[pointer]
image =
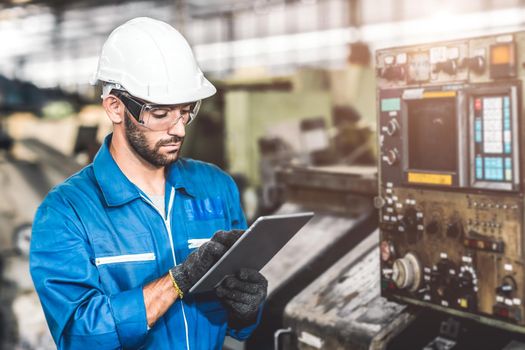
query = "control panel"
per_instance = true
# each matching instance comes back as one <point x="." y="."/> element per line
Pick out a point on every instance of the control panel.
<point x="450" y="177"/>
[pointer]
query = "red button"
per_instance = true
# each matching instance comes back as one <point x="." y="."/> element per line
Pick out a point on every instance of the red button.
<point x="503" y="313"/>
<point x="477" y="104"/>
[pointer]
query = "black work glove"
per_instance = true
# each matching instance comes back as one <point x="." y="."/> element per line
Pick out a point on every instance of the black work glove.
<point x="202" y="259"/>
<point x="242" y="294"/>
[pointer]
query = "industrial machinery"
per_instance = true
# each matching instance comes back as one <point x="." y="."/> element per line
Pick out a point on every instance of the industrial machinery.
<point x="451" y="179"/>
<point x="342" y="199"/>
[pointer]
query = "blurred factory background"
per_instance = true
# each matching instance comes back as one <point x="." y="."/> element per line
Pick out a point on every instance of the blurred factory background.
<point x="294" y="121"/>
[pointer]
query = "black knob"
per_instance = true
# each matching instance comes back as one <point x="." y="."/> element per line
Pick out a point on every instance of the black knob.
<point x="444" y="283"/>
<point x="391" y="157"/>
<point x="393" y="72"/>
<point x="433" y="227"/>
<point x="409" y="220"/>
<point x="477" y="64"/>
<point x="444" y="266"/>
<point x="466" y="280"/>
<point x="449" y="66"/>
<point x="410" y="224"/>
<point x="392" y="127"/>
<point x="507" y="287"/>
<point x="455" y="229"/>
<point x="401" y="73"/>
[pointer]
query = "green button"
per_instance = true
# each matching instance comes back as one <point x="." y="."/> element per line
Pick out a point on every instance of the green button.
<point x="390" y="104"/>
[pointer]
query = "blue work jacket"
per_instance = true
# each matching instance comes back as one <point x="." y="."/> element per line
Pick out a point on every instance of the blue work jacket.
<point x="98" y="239"/>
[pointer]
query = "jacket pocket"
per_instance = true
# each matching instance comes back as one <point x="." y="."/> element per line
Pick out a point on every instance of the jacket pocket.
<point x="126" y="261"/>
<point x="202" y="209"/>
<point x="205" y="216"/>
<point x="200" y="231"/>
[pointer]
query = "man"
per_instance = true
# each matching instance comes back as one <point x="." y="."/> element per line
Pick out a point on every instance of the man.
<point x="116" y="247"/>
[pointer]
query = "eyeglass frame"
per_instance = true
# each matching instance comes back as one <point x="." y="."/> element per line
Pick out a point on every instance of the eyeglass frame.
<point x="140" y="106"/>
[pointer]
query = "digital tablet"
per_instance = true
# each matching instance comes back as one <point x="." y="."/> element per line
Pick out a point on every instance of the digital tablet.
<point x="257" y="245"/>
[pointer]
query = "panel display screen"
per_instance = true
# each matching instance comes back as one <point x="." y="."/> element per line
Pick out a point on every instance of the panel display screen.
<point x="432" y="139"/>
<point x="492" y="138"/>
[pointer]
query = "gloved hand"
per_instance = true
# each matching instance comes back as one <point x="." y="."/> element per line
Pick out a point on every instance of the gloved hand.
<point x="242" y="295"/>
<point x="202" y="259"/>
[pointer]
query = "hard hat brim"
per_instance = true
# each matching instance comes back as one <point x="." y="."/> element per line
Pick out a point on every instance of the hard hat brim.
<point x="165" y="95"/>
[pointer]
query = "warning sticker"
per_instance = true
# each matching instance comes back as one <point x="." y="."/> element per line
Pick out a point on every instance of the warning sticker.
<point x="431" y="179"/>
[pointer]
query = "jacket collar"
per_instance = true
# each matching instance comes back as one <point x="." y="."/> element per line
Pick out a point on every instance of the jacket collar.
<point x="117" y="189"/>
<point x="179" y="177"/>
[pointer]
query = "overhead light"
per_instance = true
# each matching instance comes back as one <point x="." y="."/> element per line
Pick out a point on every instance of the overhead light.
<point x="20" y="2"/>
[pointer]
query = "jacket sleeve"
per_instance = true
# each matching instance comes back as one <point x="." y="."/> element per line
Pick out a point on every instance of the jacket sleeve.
<point x="238" y="221"/>
<point x="79" y="314"/>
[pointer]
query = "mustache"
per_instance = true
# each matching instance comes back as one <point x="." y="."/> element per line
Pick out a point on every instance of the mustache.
<point x="174" y="139"/>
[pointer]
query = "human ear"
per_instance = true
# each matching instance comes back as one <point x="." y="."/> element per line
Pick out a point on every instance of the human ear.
<point x="114" y="109"/>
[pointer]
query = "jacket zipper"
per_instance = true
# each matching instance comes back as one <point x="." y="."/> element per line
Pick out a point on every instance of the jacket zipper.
<point x="124" y="258"/>
<point x="167" y="225"/>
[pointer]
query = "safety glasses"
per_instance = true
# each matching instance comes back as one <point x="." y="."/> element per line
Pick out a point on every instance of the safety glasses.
<point x="158" y="117"/>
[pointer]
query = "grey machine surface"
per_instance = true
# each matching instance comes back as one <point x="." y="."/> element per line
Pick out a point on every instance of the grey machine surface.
<point x="343" y="308"/>
<point x="258" y="244"/>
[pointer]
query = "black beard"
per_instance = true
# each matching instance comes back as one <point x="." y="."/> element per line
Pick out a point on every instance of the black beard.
<point x="138" y="142"/>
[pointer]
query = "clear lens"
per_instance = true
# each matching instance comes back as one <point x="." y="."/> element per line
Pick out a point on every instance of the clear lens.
<point x="159" y="117"/>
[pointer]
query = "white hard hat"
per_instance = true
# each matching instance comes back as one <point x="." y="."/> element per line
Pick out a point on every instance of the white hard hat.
<point x="151" y="60"/>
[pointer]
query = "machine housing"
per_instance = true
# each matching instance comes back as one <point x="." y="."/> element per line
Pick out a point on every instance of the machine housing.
<point x="451" y="177"/>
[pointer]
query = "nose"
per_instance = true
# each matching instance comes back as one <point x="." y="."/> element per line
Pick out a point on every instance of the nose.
<point x="177" y="129"/>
